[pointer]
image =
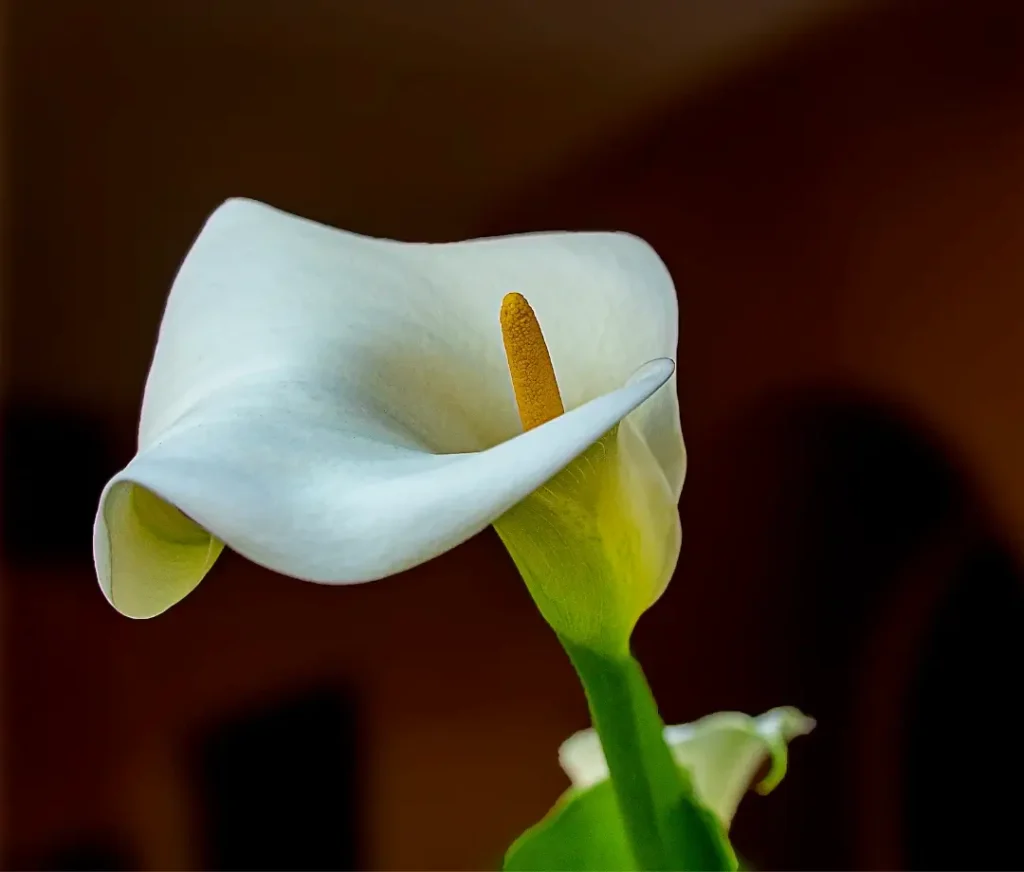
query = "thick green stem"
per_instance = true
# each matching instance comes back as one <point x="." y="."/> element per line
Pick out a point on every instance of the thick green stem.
<point x="667" y="828"/>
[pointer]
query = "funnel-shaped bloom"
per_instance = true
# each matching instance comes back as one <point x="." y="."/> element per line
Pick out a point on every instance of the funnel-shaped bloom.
<point x="723" y="753"/>
<point x="339" y="408"/>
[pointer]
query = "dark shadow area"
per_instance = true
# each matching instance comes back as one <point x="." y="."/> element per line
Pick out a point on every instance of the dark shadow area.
<point x="872" y="495"/>
<point x="963" y="773"/>
<point x="54" y="462"/>
<point x="86" y="855"/>
<point x="279" y="787"/>
<point x="847" y="505"/>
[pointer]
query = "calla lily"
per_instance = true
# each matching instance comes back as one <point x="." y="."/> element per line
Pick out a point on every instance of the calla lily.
<point x="723" y="754"/>
<point x="339" y="408"/>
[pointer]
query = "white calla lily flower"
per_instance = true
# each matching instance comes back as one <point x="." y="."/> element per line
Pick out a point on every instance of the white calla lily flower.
<point x="339" y="408"/>
<point x="723" y="754"/>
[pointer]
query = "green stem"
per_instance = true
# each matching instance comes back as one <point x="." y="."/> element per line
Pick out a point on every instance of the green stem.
<point x="667" y="828"/>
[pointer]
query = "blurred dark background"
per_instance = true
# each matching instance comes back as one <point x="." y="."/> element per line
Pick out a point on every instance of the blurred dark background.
<point x="838" y="189"/>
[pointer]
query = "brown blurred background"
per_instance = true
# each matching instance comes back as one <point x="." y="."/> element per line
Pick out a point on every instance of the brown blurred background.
<point x="838" y="189"/>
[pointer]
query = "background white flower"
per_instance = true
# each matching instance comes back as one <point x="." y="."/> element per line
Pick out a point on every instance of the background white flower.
<point x="723" y="753"/>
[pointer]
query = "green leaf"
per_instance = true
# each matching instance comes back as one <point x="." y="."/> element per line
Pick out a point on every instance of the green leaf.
<point x="582" y="832"/>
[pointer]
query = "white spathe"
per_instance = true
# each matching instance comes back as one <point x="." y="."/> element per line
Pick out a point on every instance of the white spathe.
<point x="338" y="408"/>
<point x="723" y="753"/>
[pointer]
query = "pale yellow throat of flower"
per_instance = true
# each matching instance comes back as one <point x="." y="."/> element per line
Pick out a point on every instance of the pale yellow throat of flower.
<point x="529" y="364"/>
<point x="592" y="544"/>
